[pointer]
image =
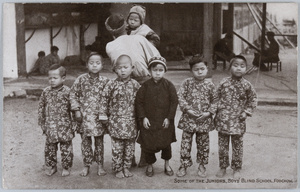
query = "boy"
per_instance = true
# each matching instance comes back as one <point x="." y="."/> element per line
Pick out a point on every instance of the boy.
<point x="237" y="100"/>
<point x="118" y="107"/>
<point x="55" y="121"/>
<point x="85" y="96"/>
<point x="37" y="66"/>
<point x="156" y="105"/>
<point x="137" y="26"/>
<point x="50" y="59"/>
<point x="197" y="100"/>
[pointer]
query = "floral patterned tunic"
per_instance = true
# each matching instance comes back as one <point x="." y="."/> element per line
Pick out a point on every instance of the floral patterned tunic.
<point x="54" y="115"/>
<point x="199" y="96"/>
<point x="85" y="96"/>
<point x="118" y="104"/>
<point x="235" y="97"/>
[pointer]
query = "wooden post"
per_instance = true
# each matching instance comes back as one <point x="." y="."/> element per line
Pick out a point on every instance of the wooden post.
<point x="51" y="36"/>
<point x="263" y="30"/>
<point x="217" y="22"/>
<point x="81" y="42"/>
<point x="230" y="22"/>
<point x="208" y="17"/>
<point x="20" y="28"/>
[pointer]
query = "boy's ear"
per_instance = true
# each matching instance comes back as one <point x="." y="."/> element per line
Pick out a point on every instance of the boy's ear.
<point x="63" y="77"/>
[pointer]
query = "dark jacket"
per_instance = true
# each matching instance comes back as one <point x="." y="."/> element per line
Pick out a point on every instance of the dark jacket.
<point x="156" y="101"/>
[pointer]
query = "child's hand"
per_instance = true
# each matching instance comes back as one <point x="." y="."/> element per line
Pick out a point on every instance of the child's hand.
<point x="243" y="116"/>
<point x="146" y="123"/>
<point x="78" y="116"/>
<point x="193" y="113"/>
<point x="203" y="116"/>
<point x="166" y="123"/>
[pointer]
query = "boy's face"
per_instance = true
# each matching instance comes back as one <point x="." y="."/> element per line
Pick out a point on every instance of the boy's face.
<point x="238" y="68"/>
<point x="124" y="68"/>
<point x="157" y="72"/>
<point x="94" y="64"/>
<point x="199" y="71"/>
<point x="134" y="21"/>
<point x="55" y="79"/>
<point x="54" y="53"/>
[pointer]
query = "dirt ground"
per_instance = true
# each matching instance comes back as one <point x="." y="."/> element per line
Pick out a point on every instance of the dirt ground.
<point x="270" y="156"/>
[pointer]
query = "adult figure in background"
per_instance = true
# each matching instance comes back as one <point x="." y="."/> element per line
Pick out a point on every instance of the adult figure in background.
<point x="222" y="51"/>
<point x="137" y="47"/>
<point x="268" y="55"/>
<point x="49" y="60"/>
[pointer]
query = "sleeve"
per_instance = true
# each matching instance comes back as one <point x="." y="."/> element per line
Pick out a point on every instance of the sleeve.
<point x="74" y="95"/>
<point x="104" y="101"/>
<point x="140" y="103"/>
<point x="251" y="101"/>
<point x="213" y="100"/>
<point x="182" y="94"/>
<point x="42" y="112"/>
<point x="148" y="49"/>
<point x="173" y="103"/>
<point x="153" y="38"/>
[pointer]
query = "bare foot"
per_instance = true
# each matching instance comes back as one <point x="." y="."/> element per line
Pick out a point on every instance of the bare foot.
<point x="65" y="172"/>
<point x="50" y="170"/>
<point x="127" y="173"/>
<point x="101" y="171"/>
<point x="120" y="175"/>
<point x="85" y="171"/>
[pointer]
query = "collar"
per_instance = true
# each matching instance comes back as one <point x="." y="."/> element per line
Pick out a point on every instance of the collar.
<point x="58" y="88"/>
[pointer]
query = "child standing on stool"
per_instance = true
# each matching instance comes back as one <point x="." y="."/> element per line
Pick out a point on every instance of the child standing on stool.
<point x="56" y="122"/>
<point x="85" y="100"/>
<point x="118" y="106"/>
<point x="156" y="105"/>
<point x="197" y="100"/>
<point x="237" y="99"/>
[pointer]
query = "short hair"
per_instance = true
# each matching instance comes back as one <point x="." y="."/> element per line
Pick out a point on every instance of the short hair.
<point x="121" y="56"/>
<point x="237" y="57"/>
<point x="41" y="54"/>
<point x="93" y="54"/>
<point x="54" y="48"/>
<point x="198" y="58"/>
<point x="62" y="70"/>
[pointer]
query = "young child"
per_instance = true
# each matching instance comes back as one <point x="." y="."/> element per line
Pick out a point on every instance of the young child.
<point x="137" y="26"/>
<point x="156" y="104"/>
<point x="197" y="101"/>
<point x="85" y="96"/>
<point x="118" y="105"/>
<point x="56" y="122"/>
<point x="237" y="99"/>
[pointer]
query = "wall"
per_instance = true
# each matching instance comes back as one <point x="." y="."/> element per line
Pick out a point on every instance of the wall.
<point x="10" y="65"/>
<point x="40" y="41"/>
<point x="67" y="41"/>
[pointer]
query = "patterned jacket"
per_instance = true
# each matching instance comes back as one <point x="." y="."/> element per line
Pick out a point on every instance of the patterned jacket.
<point x="235" y="97"/>
<point x="85" y="96"/>
<point x="199" y="96"/>
<point x="118" y="105"/>
<point x="54" y="115"/>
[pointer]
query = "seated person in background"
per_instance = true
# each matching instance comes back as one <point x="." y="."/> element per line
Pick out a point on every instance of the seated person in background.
<point x="268" y="55"/>
<point x="222" y="50"/>
<point x="36" y="68"/>
<point x="49" y="60"/>
<point x="136" y="25"/>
